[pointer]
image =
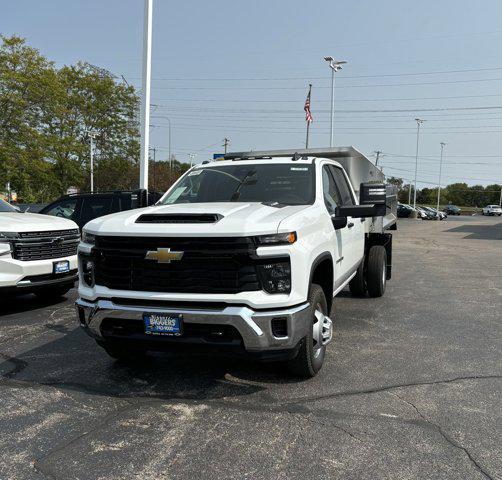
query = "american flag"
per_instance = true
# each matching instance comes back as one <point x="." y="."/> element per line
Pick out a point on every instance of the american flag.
<point x="308" y="114"/>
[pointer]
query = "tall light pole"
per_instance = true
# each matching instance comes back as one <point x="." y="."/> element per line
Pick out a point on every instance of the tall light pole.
<point x="92" y="135"/>
<point x="192" y="156"/>
<point x="335" y="67"/>
<point x="145" y="94"/>
<point x="419" y="122"/>
<point x="439" y="180"/>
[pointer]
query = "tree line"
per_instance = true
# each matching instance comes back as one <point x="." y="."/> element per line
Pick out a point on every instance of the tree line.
<point x="47" y="115"/>
<point x="455" y="193"/>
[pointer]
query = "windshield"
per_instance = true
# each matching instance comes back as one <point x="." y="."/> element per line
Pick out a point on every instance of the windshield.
<point x="6" y="207"/>
<point x="287" y="184"/>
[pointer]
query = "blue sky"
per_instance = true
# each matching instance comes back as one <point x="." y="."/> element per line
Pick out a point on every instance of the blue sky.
<point x="241" y="70"/>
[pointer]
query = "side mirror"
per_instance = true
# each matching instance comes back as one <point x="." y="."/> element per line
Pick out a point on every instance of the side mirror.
<point x="374" y="194"/>
<point x="357" y="211"/>
<point x="338" y="222"/>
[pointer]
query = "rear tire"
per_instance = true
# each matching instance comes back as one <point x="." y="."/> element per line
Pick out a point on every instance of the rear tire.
<point x="376" y="271"/>
<point x="310" y="357"/>
<point x="357" y="285"/>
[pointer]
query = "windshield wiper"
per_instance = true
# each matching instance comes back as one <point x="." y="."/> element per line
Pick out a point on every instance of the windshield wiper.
<point x="245" y="181"/>
<point x="274" y="204"/>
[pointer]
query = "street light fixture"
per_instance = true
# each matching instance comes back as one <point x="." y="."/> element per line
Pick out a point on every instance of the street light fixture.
<point x="335" y="65"/>
<point x="419" y="122"/>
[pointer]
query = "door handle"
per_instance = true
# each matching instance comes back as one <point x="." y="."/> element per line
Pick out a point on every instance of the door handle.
<point x="350" y="225"/>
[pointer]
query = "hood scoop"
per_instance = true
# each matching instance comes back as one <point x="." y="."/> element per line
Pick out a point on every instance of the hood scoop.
<point x="179" y="218"/>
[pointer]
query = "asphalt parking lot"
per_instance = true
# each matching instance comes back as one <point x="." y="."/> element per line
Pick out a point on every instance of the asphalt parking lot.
<point x="411" y="387"/>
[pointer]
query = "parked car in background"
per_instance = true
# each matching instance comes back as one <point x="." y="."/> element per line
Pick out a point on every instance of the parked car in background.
<point x="84" y="207"/>
<point x="404" y="211"/>
<point x="452" y="210"/>
<point x="407" y="210"/>
<point x="435" y="213"/>
<point x="38" y="254"/>
<point x="492" y="210"/>
<point x="425" y="214"/>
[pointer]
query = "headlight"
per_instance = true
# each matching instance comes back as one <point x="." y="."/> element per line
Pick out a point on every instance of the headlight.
<point x="276" y="276"/>
<point x="8" y="236"/>
<point x="277" y="239"/>
<point x="89" y="238"/>
<point x="87" y="269"/>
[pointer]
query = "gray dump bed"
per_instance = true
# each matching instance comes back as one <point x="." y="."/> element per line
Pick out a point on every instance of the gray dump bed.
<point x="358" y="167"/>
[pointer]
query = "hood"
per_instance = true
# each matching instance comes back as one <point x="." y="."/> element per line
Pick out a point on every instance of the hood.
<point x="33" y="222"/>
<point x="236" y="219"/>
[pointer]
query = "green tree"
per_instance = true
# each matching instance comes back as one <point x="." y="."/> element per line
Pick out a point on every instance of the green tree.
<point x="46" y="115"/>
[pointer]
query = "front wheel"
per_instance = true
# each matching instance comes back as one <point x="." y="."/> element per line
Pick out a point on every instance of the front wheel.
<point x="310" y="357"/>
<point x="376" y="271"/>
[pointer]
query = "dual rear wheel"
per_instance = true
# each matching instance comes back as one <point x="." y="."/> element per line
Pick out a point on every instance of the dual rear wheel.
<point x="371" y="276"/>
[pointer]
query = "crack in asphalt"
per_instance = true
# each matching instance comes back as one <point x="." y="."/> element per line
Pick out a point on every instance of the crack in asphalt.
<point x="386" y="388"/>
<point x="449" y="439"/>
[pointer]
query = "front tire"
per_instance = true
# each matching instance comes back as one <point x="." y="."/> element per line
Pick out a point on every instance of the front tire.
<point x="376" y="271"/>
<point x="310" y="357"/>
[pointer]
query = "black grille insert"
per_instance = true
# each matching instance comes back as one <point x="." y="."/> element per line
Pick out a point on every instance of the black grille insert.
<point x="208" y="265"/>
<point x="210" y="333"/>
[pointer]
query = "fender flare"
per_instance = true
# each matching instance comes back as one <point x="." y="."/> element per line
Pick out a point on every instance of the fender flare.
<point x="317" y="261"/>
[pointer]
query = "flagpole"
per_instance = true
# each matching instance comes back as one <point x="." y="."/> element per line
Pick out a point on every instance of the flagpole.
<point x="308" y="122"/>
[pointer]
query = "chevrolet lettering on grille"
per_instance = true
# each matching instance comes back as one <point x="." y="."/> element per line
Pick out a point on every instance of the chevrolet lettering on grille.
<point x="163" y="255"/>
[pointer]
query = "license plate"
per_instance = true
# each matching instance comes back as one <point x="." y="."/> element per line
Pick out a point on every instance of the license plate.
<point x="163" y="324"/>
<point x="61" y="267"/>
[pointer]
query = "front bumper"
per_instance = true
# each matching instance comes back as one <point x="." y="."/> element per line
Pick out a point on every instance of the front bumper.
<point x="18" y="274"/>
<point x="254" y="327"/>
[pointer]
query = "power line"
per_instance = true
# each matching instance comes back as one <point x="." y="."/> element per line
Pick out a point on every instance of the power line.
<point x="351" y="100"/>
<point x="444" y="82"/>
<point x="274" y="79"/>
<point x="399" y="110"/>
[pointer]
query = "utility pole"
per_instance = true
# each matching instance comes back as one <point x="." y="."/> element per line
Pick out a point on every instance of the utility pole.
<point x="409" y="193"/>
<point x="335" y="67"/>
<point x="145" y="94"/>
<point x="378" y="152"/>
<point x="500" y="200"/>
<point x="154" y="166"/>
<point x="226" y="142"/>
<point x="419" y="122"/>
<point x="439" y="180"/>
<point x="92" y="135"/>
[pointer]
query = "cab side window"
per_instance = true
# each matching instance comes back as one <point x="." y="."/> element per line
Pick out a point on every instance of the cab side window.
<point x="63" y="209"/>
<point x="343" y="186"/>
<point x="330" y="191"/>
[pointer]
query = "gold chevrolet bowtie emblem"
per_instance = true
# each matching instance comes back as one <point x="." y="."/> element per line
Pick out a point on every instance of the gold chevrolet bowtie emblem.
<point x="163" y="255"/>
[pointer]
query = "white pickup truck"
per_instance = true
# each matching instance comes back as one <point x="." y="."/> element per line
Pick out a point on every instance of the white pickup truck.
<point x="243" y="254"/>
<point x="38" y="253"/>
